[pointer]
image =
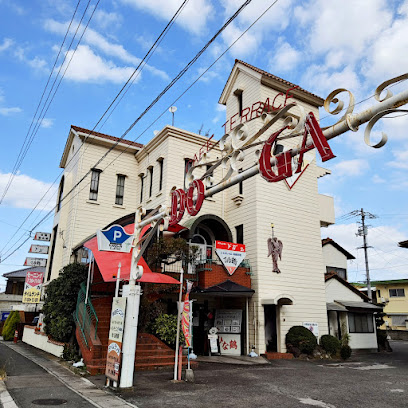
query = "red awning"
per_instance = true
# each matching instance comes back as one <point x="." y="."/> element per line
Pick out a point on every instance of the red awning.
<point x="108" y="264"/>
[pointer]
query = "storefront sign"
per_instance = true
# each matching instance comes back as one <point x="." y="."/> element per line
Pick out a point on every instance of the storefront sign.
<point x="32" y="287"/>
<point x="42" y="236"/>
<point x="313" y="327"/>
<point x="230" y="254"/>
<point x="114" y="239"/>
<point x="113" y="357"/>
<point x="35" y="262"/>
<point x="39" y="249"/>
<point x="228" y="323"/>
<point x="185" y="316"/>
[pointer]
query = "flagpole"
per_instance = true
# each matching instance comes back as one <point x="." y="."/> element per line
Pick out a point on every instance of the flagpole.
<point x="178" y="325"/>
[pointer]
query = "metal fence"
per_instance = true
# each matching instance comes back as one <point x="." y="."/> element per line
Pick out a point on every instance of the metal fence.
<point x="85" y="317"/>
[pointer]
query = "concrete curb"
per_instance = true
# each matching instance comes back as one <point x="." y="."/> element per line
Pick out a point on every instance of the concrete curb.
<point x="81" y="386"/>
<point x="6" y="399"/>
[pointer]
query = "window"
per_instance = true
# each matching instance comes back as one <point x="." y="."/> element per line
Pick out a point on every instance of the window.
<point x="399" y="320"/>
<point x="241" y="184"/>
<point x="341" y="272"/>
<point x="150" y="169"/>
<point x="120" y="189"/>
<point x="93" y="192"/>
<point x="378" y="294"/>
<point x="360" y="322"/>
<point x="239" y="231"/>
<point x="60" y="193"/>
<point x="188" y="163"/>
<point x="238" y="93"/>
<point x="397" y="293"/>
<point x="160" y="173"/>
<point x="209" y="182"/>
<point x="141" y="186"/>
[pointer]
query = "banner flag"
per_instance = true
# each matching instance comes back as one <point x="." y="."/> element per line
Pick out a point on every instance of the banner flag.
<point x="185" y="319"/>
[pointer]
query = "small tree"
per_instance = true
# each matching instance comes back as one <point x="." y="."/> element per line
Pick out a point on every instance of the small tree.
<point x="10" y="325"/>
<point x="60" y="302"/>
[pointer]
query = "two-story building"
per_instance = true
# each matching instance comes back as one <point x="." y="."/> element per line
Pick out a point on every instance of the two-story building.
<point x="134" y="175"/>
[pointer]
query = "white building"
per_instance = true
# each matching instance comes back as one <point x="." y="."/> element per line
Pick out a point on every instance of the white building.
<point x="134" y="175"/>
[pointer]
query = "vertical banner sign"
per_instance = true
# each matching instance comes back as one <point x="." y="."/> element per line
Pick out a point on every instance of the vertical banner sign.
<point x="231" y="255"/>
<point x="32" y="287"/>
<point x="117" y="322"/>
<point x="185" y="317"/>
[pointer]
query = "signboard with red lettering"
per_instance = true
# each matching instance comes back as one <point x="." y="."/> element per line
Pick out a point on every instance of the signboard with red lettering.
<point x="35" y="262"/>
<point x="230" y="254"/>
<point x="32" y="287"/>
<point x="39" y="249"/>
<point x="228" y="323"/>
<point x="113" y="358"/>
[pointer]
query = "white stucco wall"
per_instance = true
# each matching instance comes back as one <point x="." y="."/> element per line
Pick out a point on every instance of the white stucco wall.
<point x="333" y="257"/>
<point x="41" y="342"/>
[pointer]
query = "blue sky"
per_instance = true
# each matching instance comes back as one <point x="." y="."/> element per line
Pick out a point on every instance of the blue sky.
<point x="320" y="45"/>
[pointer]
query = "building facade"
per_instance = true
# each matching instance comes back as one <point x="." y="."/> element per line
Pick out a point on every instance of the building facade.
<point x="135" y="176"/>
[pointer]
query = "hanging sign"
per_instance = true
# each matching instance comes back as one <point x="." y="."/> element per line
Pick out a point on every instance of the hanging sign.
<point x="42" y="236"/>
<point x="39" y="249"/>
<point x="32" y="287"/>
<point x="114" y="239"/>
<point x="230" y="254"/>
<point x="35" y="262"/>
<point x="113" y="358"/>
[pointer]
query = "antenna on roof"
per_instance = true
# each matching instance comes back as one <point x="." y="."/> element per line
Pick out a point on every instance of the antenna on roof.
<point x="172" y="109"/>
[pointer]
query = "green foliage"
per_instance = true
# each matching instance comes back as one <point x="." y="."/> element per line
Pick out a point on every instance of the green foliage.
<point x="60" y="302"/>
<point x="330" y="344"/>
<point x="165" y="328"/>
<point x="345" y="352"/>
<point x="301" y="338"/>
<point x="10" y="325"/>
<point x="151" y="306"/>
<point x="71" y="352"/>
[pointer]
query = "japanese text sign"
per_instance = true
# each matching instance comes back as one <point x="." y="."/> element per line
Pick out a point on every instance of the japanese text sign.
<point x="32" y="287"/>
<point x="230" y="254"/>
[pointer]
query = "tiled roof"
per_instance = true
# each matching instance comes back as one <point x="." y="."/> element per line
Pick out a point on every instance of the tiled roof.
<point x="332" y="275"/>
<point x="326" y="241"/>
<point x="276" y="78"/>
<point x="104" y="136"/>
<point x="21" y="273"/>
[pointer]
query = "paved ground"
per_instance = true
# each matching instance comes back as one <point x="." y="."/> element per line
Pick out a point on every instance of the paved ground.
<point x="376" y="380"/>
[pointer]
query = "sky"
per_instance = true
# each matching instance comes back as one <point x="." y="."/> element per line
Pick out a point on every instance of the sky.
<point x="317" y="44"/>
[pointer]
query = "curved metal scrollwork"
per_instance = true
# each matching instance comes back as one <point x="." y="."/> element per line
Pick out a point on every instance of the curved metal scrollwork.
<point x="332" y="98"/>
<point x="384" y="85"/>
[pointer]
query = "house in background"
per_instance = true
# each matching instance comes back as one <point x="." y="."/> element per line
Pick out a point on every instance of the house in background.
<point x="348" y="310"/>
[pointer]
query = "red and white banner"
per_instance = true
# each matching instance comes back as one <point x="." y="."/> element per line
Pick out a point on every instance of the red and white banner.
<point x="231" y="254"/>
<point x="185" y="317"/>
<point x="32" y="287"/>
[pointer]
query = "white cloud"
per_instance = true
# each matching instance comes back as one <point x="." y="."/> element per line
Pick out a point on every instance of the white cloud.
<point x="209" y="76"/>
<point x="400" y="159"/>
<point x="7" y="43"/>
<point x="377" y="179"/>
<point x="194" y="17"/>
<point x="220" y="108"/>
<point x="94" y="39"/>
<point x="37" y="63"/>
<point x="285" y="58"/>
<point x="106" y="20"/>
<point x="247" y="44"/>
<point x="9" y="111"/>
<point x="47" y="123"/>
<point x="86" y="66"/>
<point x="350" y="168"/>
<point x="26" y="191"/>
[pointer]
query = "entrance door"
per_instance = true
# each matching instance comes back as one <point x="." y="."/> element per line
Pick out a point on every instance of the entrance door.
<point x="271" y="332"/>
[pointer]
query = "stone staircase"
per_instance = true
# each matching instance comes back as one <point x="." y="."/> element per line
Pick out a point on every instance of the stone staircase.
<point x="151" y="353"/>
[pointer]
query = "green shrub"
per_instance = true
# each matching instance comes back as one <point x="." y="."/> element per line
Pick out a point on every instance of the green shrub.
<point x="345" y="352"/>
<point x="165" y="328"/>
<point x="10" y="325"/>
<point x="71" y="352"/>
<point x="330" y="344"/>
<point x="60" y="302"/>
<point x="301" y="338"/>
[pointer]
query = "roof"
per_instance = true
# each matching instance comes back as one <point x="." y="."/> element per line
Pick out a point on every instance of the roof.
<point x="105" y="136"/>
<point x="383" y="282"/>
<point x="278" y="79"/>
<point x="403" y="244"/>
<point x="21" y="273"/>
<point x="329" y="276"/>
<point x="326" y="241"/>
<point x="227" y="288"/>
<point x="349" y="304"/>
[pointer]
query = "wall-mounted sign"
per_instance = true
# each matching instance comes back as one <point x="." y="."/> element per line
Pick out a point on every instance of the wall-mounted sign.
<point x="32" y="287"/>
<point x="114" y="239"/>
<point x="313" y="327"/>
<point x="42" y="236"/>
<point x="113" y="358"/>
<point x="35" y="262"/>
<point x="39" y="249"/>
<point x="230" y="254"/>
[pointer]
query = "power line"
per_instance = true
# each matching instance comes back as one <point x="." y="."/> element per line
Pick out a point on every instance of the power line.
<point x="16" y="164"/>
<point x="175" y="79"/>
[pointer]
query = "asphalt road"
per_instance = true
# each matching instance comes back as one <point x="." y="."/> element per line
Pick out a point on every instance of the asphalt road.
<point x="376" y="380"/>
<point x="27" y="382"/>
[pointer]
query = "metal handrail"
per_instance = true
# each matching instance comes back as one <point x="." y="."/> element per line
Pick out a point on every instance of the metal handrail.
<point x="85" y="316"/>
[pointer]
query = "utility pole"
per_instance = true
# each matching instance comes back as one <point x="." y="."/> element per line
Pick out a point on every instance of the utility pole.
<point x="362" y="231"/>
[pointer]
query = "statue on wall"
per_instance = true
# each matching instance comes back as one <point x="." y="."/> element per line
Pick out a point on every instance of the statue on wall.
<point x="275" y="247"/>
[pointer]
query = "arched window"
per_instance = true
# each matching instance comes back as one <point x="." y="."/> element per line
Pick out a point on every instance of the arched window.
<point x="60" y="193"/>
